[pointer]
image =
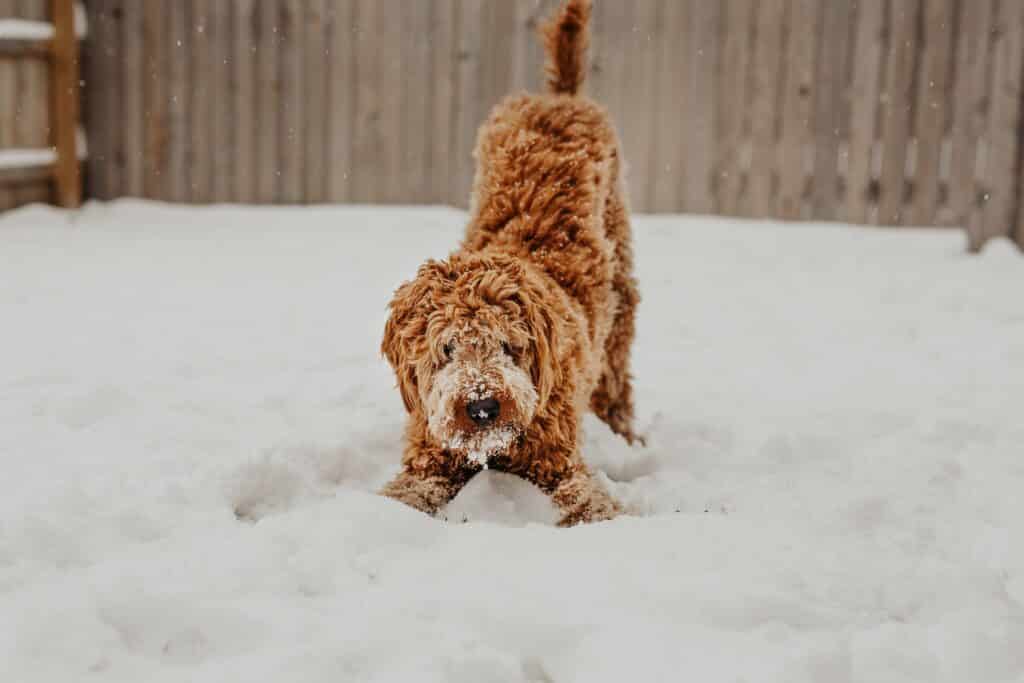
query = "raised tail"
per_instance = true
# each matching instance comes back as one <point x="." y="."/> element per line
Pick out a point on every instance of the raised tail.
<point x="566" y="37"/>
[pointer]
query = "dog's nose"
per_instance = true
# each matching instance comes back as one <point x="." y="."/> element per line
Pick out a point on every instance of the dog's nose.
<point x="483" y="412"/>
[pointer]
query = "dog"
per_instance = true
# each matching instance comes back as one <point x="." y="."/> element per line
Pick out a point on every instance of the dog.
<point x="500" y="349"/>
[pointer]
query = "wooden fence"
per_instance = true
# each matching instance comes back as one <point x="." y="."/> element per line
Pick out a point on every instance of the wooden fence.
<point x="902" y="112"/>
<point x="39" y="102"/>
<point x="24" y="115"/>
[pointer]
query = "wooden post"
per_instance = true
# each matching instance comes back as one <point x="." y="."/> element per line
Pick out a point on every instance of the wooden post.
<point x="869" y="48"/>
<point x="64" y="98"/>
<point x="1001" y="168"/>
<point x="896" y="119"/>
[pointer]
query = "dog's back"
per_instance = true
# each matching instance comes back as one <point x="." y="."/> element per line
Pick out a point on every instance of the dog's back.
<point x="547" y="184"/>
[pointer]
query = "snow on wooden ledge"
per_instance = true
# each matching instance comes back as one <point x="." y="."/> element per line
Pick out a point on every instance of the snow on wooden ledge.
<point x="27" y="158"/>
<point x="36" y="157"/>
<point x="24" y="29"/>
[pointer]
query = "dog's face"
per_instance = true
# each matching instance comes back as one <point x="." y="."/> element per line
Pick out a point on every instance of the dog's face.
<point x="473" y="350"/>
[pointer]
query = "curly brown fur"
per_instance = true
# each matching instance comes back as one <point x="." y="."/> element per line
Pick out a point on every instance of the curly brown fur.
<point x="566" y="39"/>
<point x="534" y="312"/>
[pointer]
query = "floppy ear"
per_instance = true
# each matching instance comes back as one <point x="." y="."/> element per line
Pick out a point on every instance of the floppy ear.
<point x="545" y="342"/>
<point x="399" y="333"/>
<point x="406" y="328"/>
<point x="394" y="350"/>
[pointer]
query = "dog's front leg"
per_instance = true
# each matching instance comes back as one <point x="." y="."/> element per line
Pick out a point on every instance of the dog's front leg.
<point x="582" y="499"/>
<point x="426" y="490"/>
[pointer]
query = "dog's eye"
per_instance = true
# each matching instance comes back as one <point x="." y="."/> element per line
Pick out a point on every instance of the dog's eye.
<point x="448" y="349"/>
<point x="510" y="352"/>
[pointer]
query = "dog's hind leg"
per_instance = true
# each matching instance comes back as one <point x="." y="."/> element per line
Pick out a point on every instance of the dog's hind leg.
<point x="612" y="400"/>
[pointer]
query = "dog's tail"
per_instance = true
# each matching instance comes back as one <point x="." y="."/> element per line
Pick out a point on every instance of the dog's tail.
<point x="566" y="37"/>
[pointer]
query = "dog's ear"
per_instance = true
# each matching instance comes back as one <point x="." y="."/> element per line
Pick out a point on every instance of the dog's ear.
<point x="546" y="369"/>
<point x="406" y="328"/>
<point x="395" y="351"/>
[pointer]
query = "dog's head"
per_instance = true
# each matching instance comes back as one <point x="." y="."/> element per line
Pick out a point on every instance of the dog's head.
<point x="473" y="344"/>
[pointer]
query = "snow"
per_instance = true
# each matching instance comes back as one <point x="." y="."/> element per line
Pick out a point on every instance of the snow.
<point x="195" y="417"/>
<point x="27" y="158"/>
<point x="34" y="157"/>
<point x="25" y="29"/>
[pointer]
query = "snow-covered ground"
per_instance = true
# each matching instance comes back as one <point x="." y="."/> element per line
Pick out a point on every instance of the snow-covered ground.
<point x="194" y="417"/>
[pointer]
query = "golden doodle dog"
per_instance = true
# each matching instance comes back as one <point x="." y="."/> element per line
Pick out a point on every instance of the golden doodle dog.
<point x="501" y="348"/>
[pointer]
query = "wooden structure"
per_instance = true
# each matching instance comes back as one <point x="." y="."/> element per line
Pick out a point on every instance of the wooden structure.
<point x="890" y="112"/>
<point x="39" y="104"/>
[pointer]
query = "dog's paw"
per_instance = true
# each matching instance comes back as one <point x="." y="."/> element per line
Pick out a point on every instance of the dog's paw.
<point x="597" y="509"/>
<point x="634" y="439"/>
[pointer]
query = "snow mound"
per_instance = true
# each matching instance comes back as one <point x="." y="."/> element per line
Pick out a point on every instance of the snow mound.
<point x="195" y="418"/>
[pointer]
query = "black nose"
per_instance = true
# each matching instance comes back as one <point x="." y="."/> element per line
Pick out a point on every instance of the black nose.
<point x="483" y="412"/>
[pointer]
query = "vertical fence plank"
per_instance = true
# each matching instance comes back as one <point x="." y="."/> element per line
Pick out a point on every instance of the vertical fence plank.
<point x="368" y="157"/>
<point x="613" y="28"/>
<point x="315" y="55"/>
<point x="523" y="21"/>
<point x="969" y="103"/>
<point x="8" y="107"/>
<point x="416" y="107"/>
<point x="760" y="195"/>
<point x="732" y="105"/>
<point x="1004" y="124"/>
<point x="702" y="84"/>
<point x="797" y="108"/>
<point x="99" y="104"/>
<point x="601" y="62"/>
<point x="366" y="145"/>
<point x="154" y="99"/>
<point x="669" y="104"/>
<point x="268" y="97"/>
<point x="245" y="98"/>
<point x="290" y="26"/>
<point x="932" y="93"/>
<point x="115" y="91"/>
<point x="392" y="72"/>
<point x="443" y="91"/>
<point x="639" y="60"/>
<point x="32" y="128"/>
<point x="222" y="120"/>
<point x="496" y="60"/>
<point x="341" y="89"/>
<point x="829" y="101"/>
<point x="178" y="46"/>
<point x="200" y="140"/>
<point x="869" y="47"/>
<point x="132" y="99"/>
<point x="897" y="110"/>
<point x="64" y="110"/>
<point x="467" y="109"/>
